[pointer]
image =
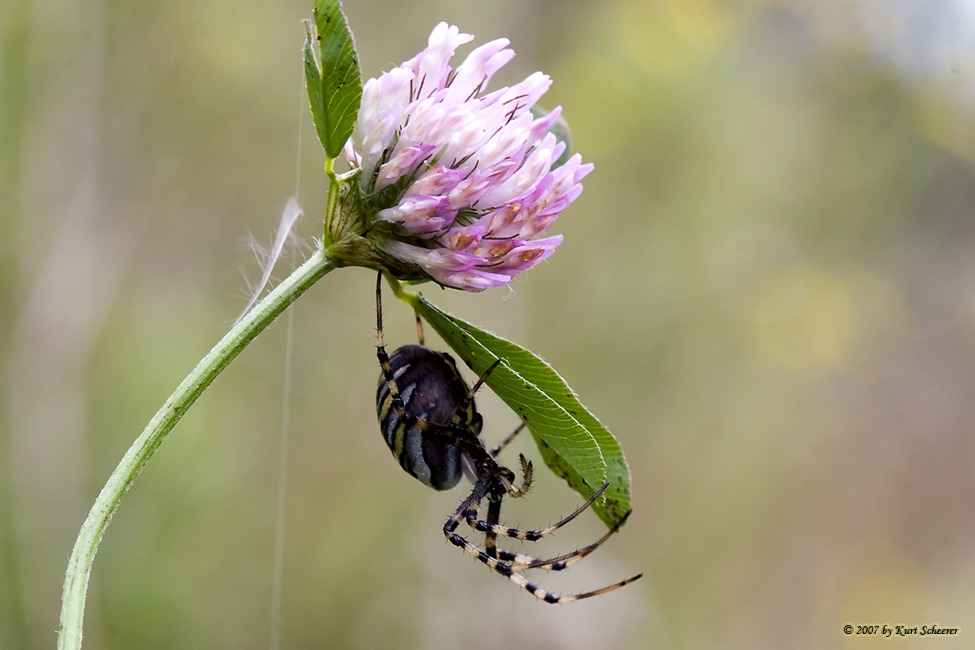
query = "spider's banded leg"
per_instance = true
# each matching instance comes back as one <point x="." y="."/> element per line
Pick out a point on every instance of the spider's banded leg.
<point x="468" y="510"/>
<point x="504" y="443"/>
<point x="394" y="395"/>
<point x="521" y="581"/>
<point x="464" y="403"/>
<point x="380" y="345"/>
<point x="494" y="513"/>
<point x="490" y="537"/>
<point x="504" y="569"/>
<point x="460" y="438"/>
<point x="529" y="535"/>
<point x="472" y="501"/>
<point x="523" y="562"/>
<point x="419" y="328"/>
<point x="549" y="597"/>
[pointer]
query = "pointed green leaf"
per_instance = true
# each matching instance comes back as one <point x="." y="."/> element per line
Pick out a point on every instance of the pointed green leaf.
<point x="332" y="76"/>
<point x="573" y="443"/>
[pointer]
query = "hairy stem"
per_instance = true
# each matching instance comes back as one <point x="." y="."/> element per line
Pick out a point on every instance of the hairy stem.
<point x="246" y="329"/>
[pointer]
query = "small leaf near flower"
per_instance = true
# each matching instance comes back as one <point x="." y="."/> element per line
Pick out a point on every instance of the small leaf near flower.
<point x="560" y="129"/>
<point x="573" y="443"/>
<point x="332" y="76"/>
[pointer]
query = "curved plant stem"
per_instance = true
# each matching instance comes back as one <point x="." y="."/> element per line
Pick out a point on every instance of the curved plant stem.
<point x="252" y="324"/>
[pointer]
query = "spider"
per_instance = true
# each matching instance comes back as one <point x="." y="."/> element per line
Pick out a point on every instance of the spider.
<point x="428" y="418"/>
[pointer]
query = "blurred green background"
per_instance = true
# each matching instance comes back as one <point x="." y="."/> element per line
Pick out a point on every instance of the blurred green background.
<point x="767" y="292"/>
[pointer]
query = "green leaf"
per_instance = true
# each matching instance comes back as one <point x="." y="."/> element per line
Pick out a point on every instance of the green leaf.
<point x="332" y="76"/>
<point x="560" y="129"/>
<point x="573" y="443"/>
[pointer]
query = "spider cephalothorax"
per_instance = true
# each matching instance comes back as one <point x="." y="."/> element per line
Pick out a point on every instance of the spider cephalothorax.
<point x="430" y="422"/>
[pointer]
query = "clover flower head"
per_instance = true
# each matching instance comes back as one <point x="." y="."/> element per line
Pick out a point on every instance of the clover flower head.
<point x="462" y="180"/>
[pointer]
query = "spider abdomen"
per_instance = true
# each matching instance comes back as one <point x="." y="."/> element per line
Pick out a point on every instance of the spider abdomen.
<point x="431" y="390"/>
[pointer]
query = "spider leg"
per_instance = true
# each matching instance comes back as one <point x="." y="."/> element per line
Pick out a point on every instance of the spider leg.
<point x="504" y="443"/>
<point x="523" y="562"/>
<point x="455" y="436"/>
<point x="528" y="535"/>
<point x="394" y="394"/>
<point x="419" y="328"/>
<point x="490" y="537"/>
<point x="549" y="597"/>
<point x="470" y="505"/>
<point x="464" y="403"/>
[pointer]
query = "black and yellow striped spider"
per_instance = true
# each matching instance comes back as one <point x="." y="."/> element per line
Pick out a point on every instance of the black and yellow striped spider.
<point x="429" y="420"/>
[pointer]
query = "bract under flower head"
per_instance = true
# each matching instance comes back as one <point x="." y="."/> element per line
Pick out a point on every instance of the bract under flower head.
<point x="463" y="179"/>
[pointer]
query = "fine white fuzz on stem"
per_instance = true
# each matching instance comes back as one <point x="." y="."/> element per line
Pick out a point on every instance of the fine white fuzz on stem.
<point x="289" y="217"/>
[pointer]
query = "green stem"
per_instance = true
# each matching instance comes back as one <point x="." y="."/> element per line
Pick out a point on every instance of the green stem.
<point x="252" y="324"/>
<point x="331" y="206"/>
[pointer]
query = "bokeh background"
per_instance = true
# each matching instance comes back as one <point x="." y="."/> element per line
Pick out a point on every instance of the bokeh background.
<point x="767" y="292"/>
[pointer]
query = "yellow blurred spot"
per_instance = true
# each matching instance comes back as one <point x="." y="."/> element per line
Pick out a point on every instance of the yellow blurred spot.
<point x="805" y="317"/>
<point x="611" y="112"/>
<point x="939" y="121"/>
<point x="667" y="37"/>
<point x="233" y="49"/>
